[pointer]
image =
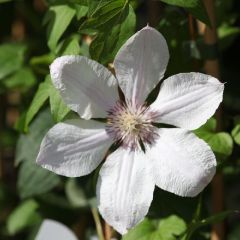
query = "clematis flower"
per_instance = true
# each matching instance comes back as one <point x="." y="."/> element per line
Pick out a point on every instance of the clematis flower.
<point x="174" y="159"/>
<point x="51" y="229"/>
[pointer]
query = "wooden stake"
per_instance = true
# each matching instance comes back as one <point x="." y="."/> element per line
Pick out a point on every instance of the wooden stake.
<point x="211" y="67"/>
<point x="154" y="12"/>
<point x="193" y="37"/>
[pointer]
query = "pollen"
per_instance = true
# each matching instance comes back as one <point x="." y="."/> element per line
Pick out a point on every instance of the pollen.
<point x="131" y="125"/>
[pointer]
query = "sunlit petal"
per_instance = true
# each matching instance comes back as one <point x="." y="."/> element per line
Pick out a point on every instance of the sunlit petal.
<point x="183" y="163"/>
<point x="86" y="86"/>
<point x="125" y="189"/>
<point x="140" y="64"/>
<point x="74" y="148"/>
<point x="188" y="100"/>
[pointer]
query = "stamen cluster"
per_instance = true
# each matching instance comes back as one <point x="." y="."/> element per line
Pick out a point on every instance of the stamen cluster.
<point x="131" y="125"/>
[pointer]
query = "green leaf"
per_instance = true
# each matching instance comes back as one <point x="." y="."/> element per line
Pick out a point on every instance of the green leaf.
<point x="4" y="1"/>
<point x="59" y="17"/>
<point x="220" y="142"/>
<point x="195" y="7"/>
<point x="216" y="218"/>
<point x="23" y="79"/>
<point x="171" y="226"/>
<point x="39" y="99"/>
<point x="46" y="91"/>
<point x="58" y="108"/>
<point x="207" y="221"/>
<point x="81" y="11"/>
<point x="69" y="46"/>
<point x="104" y="16"/>
<point x="45" y="59"/>
<point x="236" y="134"/>
<point x="95" y="5"/>
<point x="105" y="46"/>
<point x="11" y="58"/>
<point x="75" y="193"/>
<point x="28" y="144"/>
<point x="141" y="231"/>
<point x="209" y="126"/>
<point x="33" y="180"/>
<point x="227" y="34"/>
<point x="23" y="216"/>
<point x="166" y="229"/>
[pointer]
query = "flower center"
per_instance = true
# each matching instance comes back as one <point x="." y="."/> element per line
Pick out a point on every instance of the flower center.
<point x="131" y="125"/>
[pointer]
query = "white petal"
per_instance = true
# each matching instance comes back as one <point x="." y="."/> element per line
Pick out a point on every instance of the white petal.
<point x="140" y="64"/>
<point x="86" y="86"/>
<point x="74" y="148"/>
<point x="183" y="163"/>
<point x="125" y="189"/>
<point x="51" y="230"/>
<point x="188" y="100"/>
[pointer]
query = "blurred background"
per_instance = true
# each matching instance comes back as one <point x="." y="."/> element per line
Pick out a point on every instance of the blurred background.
<point x="202" y="36"/>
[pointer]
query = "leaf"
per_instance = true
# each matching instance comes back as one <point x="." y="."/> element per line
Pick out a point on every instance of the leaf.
<point x="75" y="194"/>
<point x="104" y="16"/>
<point x="171" y="226"/>
<point x="142" y="230"/>
<point x="236" y="134"/>
<point x="11" y="58"/>
<point x="33" y="180"/>
<point x="166" y="229"/>
<point x="23" y="216"/>
<point x="69" y="46"/>
<point x="23" y="79"/>
<point x="45" y="59"/>
<point x="216" y="218"/>
<point x="220" y="142"/>
<point x="195" y="7"/>
<point x="4" y="1"/>
<point x="209" y="126"/>
<point x="207" y="221"/>
<point x="105" y="46"/>
<point x="95" y="5"/>
<point x="58" y="108"/>
<point x="59" y="17"/>
<point x="227" y="34"/>
<point x="46" y="91"/>
<point x="81" y="11"/>
<point x="174" y="27"/>
<point x="39" y="99"/>
<point x="28" y="144"/>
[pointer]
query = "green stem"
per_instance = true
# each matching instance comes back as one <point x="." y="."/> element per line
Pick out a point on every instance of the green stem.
<point x="98" y="223"/>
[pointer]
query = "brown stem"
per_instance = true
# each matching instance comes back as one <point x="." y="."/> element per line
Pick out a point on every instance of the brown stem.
<point x="154" y="10"/>
<point x="211" y="67"/>
<point x="193" y="36"/>
<point x="107" y="231"/>
<point x="191" y="27"/>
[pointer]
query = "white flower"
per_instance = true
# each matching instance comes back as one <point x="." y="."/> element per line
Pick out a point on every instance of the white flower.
<point x="174" y="158"/>
<point x="53" y="230"/>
